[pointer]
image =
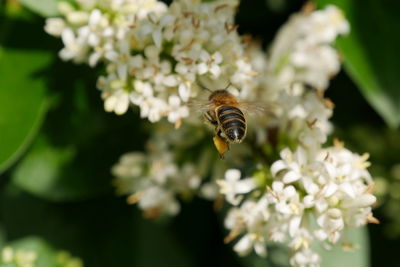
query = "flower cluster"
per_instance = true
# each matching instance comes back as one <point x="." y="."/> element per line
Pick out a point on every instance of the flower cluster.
<point x="154" y="55"/>
<point x="310" y="194"/>
<point x="302" y="50"/>
<point x="311" y="197"/>
<point x="302" y="61"/>
<point x="154" y="180"/>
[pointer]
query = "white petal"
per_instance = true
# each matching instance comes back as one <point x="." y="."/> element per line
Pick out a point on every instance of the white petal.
<point x="108" y="32"/>
<point x="95" y="17"/>
<point x="174" y="101"/>
<point x="151" y="52"/>
<point x="93" y="40"/>
<point x="68" y="36"/>
<point x="111" y="55"/>
<point x="78" y="17"/>
<point x="202" y="68"/>
<point x="122" y="71"/>
<point x="110" y="103"/>
<point x="290" y="177"/>
<point x="93" y="59"/>
<point x="367" y="200"/>
<point x="360" y="202"/>
<point x="277" y="186"/>
<point x="204" y="55"/>
<point x="245" y="186"/>
<point x="260" y="249"/>
<point x="124" y="46"/>
<point x="157" y="38"/>
<point x="321" y="205"/>
<point x="215" y="71"/>
<point x="308" y="201"/>
<point x="170" y="81"/>
<point x="286" y="154"/>
<point x="277" y="166"/>
<point x="54" y="26"/>
<point x="184" y="92"/>
<point x="294" y="225"/>
<point x="243" y="247"/>
<point x="348" y="189"/>
<point x="330" y="189"/>
<point x="167" y="19"/>
<point x="217" y="57"/>
<point x="289" y="191"/>
<point x="122" y="104"/>
<point x="320" y="234"/>
<point x="232" y="175"/>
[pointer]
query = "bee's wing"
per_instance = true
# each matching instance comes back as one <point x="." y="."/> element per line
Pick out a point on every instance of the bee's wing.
<point x="257" y="108"/>
<point x="199" y="105"/>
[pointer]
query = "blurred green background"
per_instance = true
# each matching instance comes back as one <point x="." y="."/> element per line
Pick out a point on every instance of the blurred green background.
<point x="57" y="146"/>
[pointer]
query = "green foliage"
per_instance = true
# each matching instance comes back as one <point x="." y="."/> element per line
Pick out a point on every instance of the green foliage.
<point x="37" y="252"/>
<point x="45" y="8"/>
<point x="44" y="254"/>
<point x="22" y="100"/>
<point x="371" y="52"/>
<point x="41" y="172"/>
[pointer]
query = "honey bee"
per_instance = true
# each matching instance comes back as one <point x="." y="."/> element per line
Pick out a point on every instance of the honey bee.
<point x="224" y="112"/>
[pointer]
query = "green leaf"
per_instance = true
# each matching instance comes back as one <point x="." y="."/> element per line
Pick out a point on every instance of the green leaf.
<point x="45" y="255"/>
<point x="22" y="101"/>
<point x="371" y="52"/>
<point x="41" y="171"/>
<point x="45" y="8"/>
<point x="52" y="172"/>
<point x="358" y="257"/>
<point x="36" y="250"/>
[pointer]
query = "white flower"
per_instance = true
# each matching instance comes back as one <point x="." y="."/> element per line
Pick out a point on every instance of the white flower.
<point x="210" y="191"/>
<point x="177" y="111"/>
<point x="232" y="185"/>
<point x="210" y="63"/>
<point x="250" y="217"/>
<point x="292" y="163"/>
<point x="54" y="26"/>
<point x="75" y="46"/>
<point x="154" y="181"/>
<point x="249" y="242"/>
<point x="305" y="258"/>
<point x="156" y="198"/>
<point x="331" y="222"/>
<point x="326" y="25"/>
<point x="117" y="102"/>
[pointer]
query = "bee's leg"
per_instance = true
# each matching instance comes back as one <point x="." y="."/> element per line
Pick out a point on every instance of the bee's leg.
<point x="220" y="143"/>
<point x="219" y="134"/>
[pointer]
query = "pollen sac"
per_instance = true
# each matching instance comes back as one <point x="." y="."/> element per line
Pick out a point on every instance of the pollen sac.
<point x="221" y="145"/>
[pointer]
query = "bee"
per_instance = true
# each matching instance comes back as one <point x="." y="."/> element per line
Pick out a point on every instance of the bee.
<point x="224" y="112"/>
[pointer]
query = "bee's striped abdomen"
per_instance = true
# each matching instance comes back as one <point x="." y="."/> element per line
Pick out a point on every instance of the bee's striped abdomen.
<point x="232" y="122"/>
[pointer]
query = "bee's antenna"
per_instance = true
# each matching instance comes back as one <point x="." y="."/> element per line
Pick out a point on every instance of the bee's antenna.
<point x="204" y="88"/>
<point x="229" y="84"/>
